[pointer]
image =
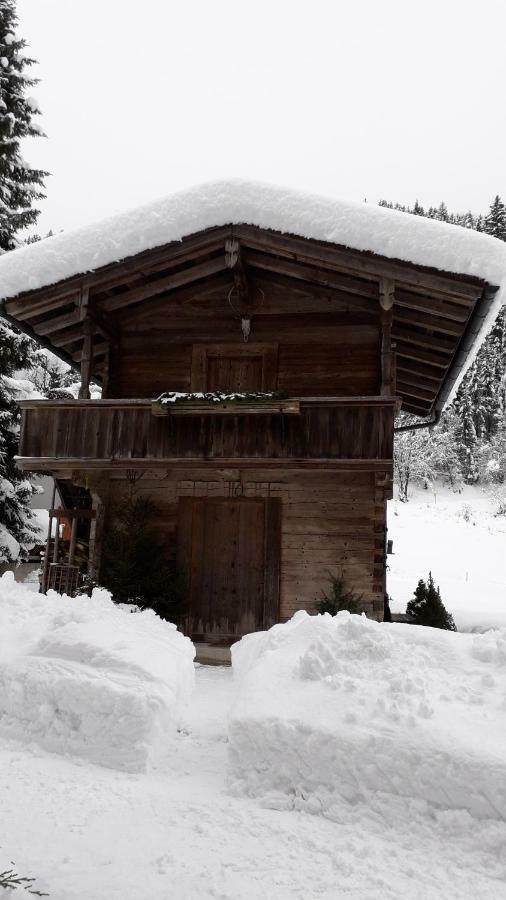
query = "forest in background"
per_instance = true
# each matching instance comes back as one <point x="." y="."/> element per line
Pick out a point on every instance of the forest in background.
<point x="468" y="444"/>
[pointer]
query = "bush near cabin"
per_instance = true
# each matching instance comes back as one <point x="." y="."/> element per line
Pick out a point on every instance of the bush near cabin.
<point x="427" y="608"/>
<point x="134" y="566"/>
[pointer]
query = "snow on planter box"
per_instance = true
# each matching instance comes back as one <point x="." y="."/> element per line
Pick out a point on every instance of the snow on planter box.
<point x="332" y="710"/>
<point x="84" y="677"/>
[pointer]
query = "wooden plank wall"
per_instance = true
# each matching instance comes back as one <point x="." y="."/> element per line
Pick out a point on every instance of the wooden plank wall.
<point x="340" y="360"/>
<point x="330" y="522"/>
<point x="105" y="433"/>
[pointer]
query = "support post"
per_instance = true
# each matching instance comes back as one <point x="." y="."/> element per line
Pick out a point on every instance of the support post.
<point x="45" y="570"/>
<point x="56" y="540"/>
<point x="386" y="297"/>
<point x="99" y="494"/>
<point x="86" y="360"/>
<point x="73" y="539"/>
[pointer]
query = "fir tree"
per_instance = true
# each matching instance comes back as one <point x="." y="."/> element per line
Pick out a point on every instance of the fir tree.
<point x="339" y="598"/>
<point x="20" y="184"/>
<point x="18" y="529"/>
<point x="20" y="187"/>
<point x="52" y="377"/>
<point x="134" y="565"/>
<point x="427" y="608"/>
<point x="495" y="221"/>
<point x="480" y="403"/>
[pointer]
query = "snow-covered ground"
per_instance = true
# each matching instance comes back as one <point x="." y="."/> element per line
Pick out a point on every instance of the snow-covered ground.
<point x="193" y="823"/>
<point x="86" y="678"/>
<point x="90" y="832"/>
<point x="459" y="538"/>
<point x="334" y="709"/>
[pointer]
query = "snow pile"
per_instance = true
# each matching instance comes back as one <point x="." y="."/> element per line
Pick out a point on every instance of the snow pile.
<point x="81" y="676"/>
<point x="332" y="709"/>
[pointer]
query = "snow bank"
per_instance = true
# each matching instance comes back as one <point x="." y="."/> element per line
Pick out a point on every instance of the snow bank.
<point x="80" y="676"/>
<point x="332" y="709"/>
<point x="359" y="226"/>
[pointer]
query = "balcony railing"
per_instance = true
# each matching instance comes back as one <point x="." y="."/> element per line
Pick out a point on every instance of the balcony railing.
<point x="66" y="434"/>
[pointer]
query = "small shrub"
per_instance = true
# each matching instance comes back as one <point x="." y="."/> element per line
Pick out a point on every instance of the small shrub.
<point x="427" y="608"/>
<point x="134" y="566"/>
<point x="338" y="598"/>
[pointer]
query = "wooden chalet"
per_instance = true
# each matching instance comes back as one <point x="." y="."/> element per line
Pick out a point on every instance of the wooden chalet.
<point x="257" y="501"/>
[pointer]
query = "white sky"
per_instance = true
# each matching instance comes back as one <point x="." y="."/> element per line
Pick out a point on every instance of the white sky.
<point x="401" y="99"/>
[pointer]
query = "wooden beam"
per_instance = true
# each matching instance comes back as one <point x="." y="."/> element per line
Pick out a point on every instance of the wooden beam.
<point x="50" y="326"/>
<point x="406" y="316"/>
<point x="407" y="390"/>
<point x="48" y="463"/>
<point x="405" y="377"/>
<point x="101" y="349"/>
<point x="431" y="304"/>
<point x="72" y="513"/>
<point x="421" y="339"/>
<point x="386" y="299"/>
<point x="425" y="372"/>
<point x="192" y="300"/>
<point x="30" y="303"/>
<point x="169" y="282"/>
<point x="310" y="274"/>
<point x="84" y="299"/>
<point x="86" y="360"/>
<point x="408" y="351"/>
<point x="361" y="263"/>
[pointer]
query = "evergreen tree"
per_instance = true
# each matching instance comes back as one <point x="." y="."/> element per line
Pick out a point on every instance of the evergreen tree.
<point x="18" y="528"/>
<point x="20" y="187"/>
<point x="427" y="608"/>
<point x="478" y="413"/>
<point x="52" y="377"/>
<point x="20" y="184"/>
<point x="134" y="566"/>
<point x="495" y="221"/>
<point x="338" y="599"/>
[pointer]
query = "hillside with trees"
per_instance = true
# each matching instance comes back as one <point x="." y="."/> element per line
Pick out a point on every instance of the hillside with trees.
<point x="468" y="445"/>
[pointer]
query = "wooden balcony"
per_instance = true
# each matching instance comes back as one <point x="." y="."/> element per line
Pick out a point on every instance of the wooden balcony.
<point x="106" y="434"/>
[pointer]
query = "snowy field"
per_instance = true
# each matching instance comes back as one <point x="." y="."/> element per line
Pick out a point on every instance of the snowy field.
<point x="89" y="832"/>
<point x="352" y="760"/>
<point x="376" y="714"/>
<point x="458" y="538"/>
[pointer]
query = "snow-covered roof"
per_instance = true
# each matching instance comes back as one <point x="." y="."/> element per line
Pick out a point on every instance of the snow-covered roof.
<point x="358" y="226"/>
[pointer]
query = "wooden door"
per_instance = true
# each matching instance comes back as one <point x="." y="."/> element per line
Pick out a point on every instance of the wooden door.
<point x="234" y="367"/>
<point x="230" y="551"/>
<point x="234" y="373"/>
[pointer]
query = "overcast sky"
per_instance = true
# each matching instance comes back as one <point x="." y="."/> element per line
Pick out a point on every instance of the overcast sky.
<point x="401" y="99"/>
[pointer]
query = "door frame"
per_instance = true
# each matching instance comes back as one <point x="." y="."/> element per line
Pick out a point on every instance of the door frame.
<point x="201" y="353"/>
<point x="272" y="553"/>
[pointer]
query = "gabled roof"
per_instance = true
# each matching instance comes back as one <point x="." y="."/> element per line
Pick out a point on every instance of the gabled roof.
<point x="447" y="276"/>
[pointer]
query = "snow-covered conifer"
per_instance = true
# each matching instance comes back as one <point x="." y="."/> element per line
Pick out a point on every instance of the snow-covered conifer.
<point x="495" y="220"/>
<point x="20" y="184"/>
<point x="18" y="530"/>
<point x="427" y="608"/>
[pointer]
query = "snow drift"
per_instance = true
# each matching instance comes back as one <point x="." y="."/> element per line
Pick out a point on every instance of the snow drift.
<point x="332" y="709"/>
<point x="83" y="677"/>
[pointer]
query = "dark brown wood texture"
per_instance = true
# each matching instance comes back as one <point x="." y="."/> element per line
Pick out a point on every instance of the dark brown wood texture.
<point x="234" y="367"/>
<point x="148" y="311"/>
<point x="231" y="549"/>
<point x="107" y="433"/>
<point x="316" y="523"/>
